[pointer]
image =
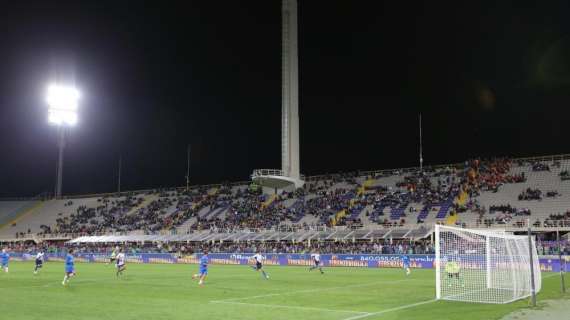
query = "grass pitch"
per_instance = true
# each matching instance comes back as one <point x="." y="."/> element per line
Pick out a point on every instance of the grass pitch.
<point x="161" y="291"/>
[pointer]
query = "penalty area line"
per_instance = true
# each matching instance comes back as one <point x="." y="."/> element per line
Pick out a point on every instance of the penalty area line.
<point x="369" y="314"/>
<point x="291" y="307"/>
<point x="408" y="306"/>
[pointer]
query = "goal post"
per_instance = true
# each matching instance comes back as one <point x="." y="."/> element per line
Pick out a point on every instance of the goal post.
<point x="488" y="261"/>
<point x="437" y="263"/>
<point x="484" y="266"/>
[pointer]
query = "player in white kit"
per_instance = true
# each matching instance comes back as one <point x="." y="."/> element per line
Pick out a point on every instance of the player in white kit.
<point x="258" y="259"/>
<point x="120" y="263"/>
<point x="316" y="262"/>
<point x="39" y="262"/>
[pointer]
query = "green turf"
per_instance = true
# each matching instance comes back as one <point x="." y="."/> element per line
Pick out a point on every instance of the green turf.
<point x="161" y="291"/>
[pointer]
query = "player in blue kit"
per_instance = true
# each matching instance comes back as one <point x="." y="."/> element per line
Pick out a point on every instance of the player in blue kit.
<point x="4" y="259"/>
<point x="203" y="268"/>
<point x="406" y="264"/>
<point x="69" y="267"/>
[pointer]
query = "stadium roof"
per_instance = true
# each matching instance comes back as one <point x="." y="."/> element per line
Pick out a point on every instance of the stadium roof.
<point x="313" y="235"/>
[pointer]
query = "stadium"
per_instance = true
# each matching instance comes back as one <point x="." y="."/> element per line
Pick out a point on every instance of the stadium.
<point x="483" y="238"/>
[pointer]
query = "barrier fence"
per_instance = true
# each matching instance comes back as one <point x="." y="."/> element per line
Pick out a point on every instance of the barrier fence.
<point x="547" y="264"/>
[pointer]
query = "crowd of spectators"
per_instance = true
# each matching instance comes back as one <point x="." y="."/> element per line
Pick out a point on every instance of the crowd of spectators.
<point x="490" y="175"/>
<point x="557" y="220"/>
<point x="544" y="247"/>
<point x="507" y="208"/>
<point x="130" y="212"/>
<point x="502" y="208"/>
<point x="110" y="213"/>
<point x="552" y="194"/>
<point x="560" y="216"/>
<point x="347" y="247"/>
<point x="321" y="198"/>
<point x="324" y="247"/>
<point x="540" y="166"/>
<point x="550" y="247"/>
<point x="549" y="223"/>
<point x="226" y="208"/>
<point x="530" y="194"/>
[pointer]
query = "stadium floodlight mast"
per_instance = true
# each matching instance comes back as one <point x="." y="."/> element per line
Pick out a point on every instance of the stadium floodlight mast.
<point x="63" y="103"/>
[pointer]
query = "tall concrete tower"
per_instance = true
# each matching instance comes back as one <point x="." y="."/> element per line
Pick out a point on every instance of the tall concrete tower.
<point x="289" y="91"/>
<point x="289" y="175"/>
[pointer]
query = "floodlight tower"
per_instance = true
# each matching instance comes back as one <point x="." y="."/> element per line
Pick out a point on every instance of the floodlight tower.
<point x="63" y="102"/>
<point x="290" y="167"/>
<point x="290" y="87"/>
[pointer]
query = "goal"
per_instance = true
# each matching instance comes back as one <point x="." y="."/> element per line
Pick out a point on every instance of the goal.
<point x="483" y="266"/>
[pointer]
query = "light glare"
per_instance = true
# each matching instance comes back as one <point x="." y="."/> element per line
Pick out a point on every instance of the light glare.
<point x="61" y="97"/>
<point x="59" y="117"/>
<point x="63" y="103"/>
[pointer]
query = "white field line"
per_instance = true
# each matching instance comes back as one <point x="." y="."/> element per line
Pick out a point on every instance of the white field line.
<point x="310" y="290"/>
<point x="289" y="307"/>
<point x="411" y="305"/>
<point x="407" y="306"/>
<point x="234" y="301"/>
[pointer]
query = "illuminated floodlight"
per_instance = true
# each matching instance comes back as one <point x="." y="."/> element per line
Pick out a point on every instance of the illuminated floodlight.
<point x="58" y="117"/>
<point x="63" y="103"/>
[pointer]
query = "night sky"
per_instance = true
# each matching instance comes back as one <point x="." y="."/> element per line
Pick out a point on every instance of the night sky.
<point x="489" y="77"/>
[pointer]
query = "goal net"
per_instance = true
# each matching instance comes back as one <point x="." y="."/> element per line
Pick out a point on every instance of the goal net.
<point x="483" y="266"/>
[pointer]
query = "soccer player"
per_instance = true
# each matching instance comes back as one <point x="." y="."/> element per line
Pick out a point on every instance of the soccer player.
<point x="203" y="269"/>
<point x="406" y="264"/>
<point x="316" y="262"/>
<point x="69" y="267"/>
<point x="258" y="258"/>
<point x="120" y="264"/>
<point x="114" y="254"/>
<point x="39" y="261"/>
<point x="452" y="269"/>
<point x="5" y="258"/>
